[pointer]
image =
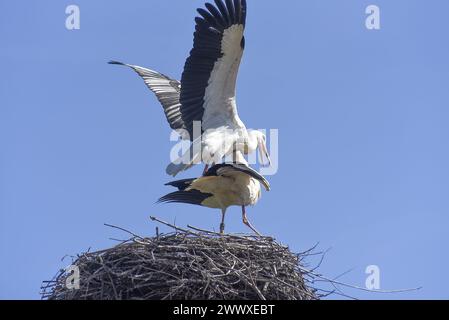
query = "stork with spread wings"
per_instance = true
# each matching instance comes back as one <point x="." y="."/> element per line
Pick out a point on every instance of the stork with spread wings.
<point x="202" y="107"/>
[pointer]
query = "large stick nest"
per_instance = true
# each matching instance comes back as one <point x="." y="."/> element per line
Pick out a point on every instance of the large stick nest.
<point x="188" y="265"/>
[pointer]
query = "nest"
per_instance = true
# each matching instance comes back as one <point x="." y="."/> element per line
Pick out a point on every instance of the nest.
<point x="187" y="265"/>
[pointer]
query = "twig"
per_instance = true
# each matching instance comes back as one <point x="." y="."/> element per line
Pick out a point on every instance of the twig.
<point x="357" y="287"/>
<point x="172" y="226"/>
<point x="124" y="230"/>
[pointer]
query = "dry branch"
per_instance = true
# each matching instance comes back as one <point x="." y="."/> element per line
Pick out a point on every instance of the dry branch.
<point x="189" y="264"/>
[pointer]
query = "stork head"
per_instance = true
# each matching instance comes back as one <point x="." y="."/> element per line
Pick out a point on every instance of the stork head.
<point x="259" y="140"/>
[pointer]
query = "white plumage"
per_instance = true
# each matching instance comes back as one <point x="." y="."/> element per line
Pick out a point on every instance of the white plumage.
<point x="206" y="94"/>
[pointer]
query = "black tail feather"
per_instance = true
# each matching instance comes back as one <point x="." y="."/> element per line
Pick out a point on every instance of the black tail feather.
<point x="194" y="197"/>
<point x="182" y="185"/>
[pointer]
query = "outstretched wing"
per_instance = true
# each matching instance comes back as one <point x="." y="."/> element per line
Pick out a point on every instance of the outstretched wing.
<point x="210" y="72"/>
<point x="167" y="91"/>
<point x="228" y="169"/>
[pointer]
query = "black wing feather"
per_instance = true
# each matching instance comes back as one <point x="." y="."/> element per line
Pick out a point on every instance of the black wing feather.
<point x="181" y="184"/>
<point x="231" y="10"/>
<point x="209" y="30"/>
<point x="167" y="91"/>
<point x="217" y="170"/>
<point x="194" y="197"/>
<point x="217" y="15"/>
<point x="224" y="12"/>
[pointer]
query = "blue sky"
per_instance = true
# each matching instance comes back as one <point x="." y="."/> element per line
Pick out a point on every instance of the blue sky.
<point x="362" y="117"/>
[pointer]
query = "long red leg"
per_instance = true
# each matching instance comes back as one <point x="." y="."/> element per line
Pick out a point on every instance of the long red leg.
<point x="247" y="223"/>
<point x="222" y="225"/>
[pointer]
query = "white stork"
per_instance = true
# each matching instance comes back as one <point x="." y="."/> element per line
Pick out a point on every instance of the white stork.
<point x="223" y="186"/>
<point x="206" y="94"/>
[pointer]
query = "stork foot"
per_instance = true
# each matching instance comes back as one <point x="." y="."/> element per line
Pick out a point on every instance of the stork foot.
<point x="247" y="223"/>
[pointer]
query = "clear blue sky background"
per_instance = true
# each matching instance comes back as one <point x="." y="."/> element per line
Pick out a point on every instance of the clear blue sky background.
<point x="363" y="119"/>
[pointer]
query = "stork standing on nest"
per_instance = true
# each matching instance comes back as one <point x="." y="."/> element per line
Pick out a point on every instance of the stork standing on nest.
<point x="223" y="186"/>
<point x="206" y="94"/>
